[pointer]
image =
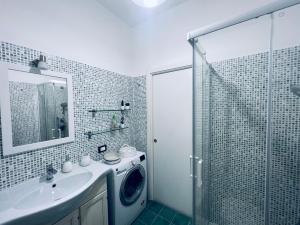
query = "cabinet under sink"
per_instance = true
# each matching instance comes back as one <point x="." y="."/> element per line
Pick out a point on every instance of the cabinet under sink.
<point x="92" y="210"/>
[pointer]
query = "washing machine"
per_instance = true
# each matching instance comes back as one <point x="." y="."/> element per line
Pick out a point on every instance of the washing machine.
<point x="127" y="189"/>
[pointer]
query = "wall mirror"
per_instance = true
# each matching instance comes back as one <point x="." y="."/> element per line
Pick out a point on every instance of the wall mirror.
<point x="36" y="108"/>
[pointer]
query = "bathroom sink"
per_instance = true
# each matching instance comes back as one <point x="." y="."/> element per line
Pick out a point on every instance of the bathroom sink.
<point x="54" y="191"/>
<point x="72" y="183"/>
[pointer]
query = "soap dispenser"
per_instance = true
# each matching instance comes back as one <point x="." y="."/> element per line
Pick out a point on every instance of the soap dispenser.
<point x="67" y="166"/>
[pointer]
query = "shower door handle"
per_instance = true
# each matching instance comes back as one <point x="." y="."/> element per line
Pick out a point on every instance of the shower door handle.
<point x="192" y="158"/>
<point x="199" y="173"/>
<point x="59" y="133"/>
<point x="191" y="165"/>
<point x="53" y="133"/>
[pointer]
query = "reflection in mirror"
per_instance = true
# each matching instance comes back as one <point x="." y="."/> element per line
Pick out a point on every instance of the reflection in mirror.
<point x="39" y="107"/>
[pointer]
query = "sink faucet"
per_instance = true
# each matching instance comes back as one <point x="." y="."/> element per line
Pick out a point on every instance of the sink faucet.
<point x="50" y="171"/>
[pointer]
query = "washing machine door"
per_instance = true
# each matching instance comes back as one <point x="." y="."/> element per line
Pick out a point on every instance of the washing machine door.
<point x="132" y="185"/>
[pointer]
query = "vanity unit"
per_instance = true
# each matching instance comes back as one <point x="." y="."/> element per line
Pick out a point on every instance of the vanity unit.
<point x="79" y="197"/>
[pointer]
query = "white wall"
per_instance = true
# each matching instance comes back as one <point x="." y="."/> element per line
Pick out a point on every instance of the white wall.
<point x="161" y="42"/>
<point x="85" y="31"/>
<point x="286" y="27"/>
<point x="75" y="29"/>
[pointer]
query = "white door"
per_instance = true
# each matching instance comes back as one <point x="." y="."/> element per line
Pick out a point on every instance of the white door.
<point x="172" y="128"/>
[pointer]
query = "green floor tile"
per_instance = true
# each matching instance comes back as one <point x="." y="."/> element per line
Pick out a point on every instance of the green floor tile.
<point x="160" y="221"/>
<point x="180" y="219"/>
<point x="154" y="206"/>
<point x="147" y="217"/>
<point x="167" y="213"/>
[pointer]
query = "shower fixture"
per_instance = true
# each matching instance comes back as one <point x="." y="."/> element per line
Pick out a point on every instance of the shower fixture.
<point x="295" y="90"/>
<point x="64" y="107"/>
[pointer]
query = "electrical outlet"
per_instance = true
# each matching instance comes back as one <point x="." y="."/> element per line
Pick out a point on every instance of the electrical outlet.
<point x="102" y="148"/>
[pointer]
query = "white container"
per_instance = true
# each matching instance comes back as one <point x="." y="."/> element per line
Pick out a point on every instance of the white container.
<point x="122" y="107"/>
<point x="67" y="167"/>
<point x="42" y="65"/>
<point x="127" y="151"/>
<point x="85" y="160"/>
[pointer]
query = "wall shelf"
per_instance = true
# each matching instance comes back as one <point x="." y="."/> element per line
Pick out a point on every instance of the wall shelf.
<point x="90" y="133"/>
<point x="94" y="111"/>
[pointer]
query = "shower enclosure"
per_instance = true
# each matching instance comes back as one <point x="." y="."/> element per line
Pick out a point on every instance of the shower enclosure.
<point x="53" y="114"/>
<point x="247" y="120"/>
<point x="39" y="112"/>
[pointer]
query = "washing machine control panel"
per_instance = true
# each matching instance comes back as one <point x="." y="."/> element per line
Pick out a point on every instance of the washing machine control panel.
<point x="135" y="162"/>
<point x="132" y="163"/>
<point x="142" y="158"/>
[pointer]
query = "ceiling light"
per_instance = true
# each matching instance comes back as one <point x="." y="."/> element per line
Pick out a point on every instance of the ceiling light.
<point x="148" y="3"/>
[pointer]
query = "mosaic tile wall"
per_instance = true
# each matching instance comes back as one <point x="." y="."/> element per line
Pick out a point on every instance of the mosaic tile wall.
<point x="140" y="112"/>
<point x="237" y="157"/>
<point x="25" y="113"/>
<point x="285" y="156"/>
<point x="93" y="88"/>
<point x="238" y="110"/>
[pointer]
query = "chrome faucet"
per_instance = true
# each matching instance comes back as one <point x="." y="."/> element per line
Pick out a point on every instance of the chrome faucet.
<point x="50" y="171"/>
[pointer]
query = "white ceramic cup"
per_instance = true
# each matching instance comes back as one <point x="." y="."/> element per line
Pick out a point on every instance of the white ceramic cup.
<point x="85" y="160"/>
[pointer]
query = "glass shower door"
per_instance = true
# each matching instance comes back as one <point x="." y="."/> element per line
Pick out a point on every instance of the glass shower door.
<point x="284" y="179"/>
<point x="231" y="73"/>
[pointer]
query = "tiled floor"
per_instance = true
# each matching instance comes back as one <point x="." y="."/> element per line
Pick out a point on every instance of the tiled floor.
<point x="158" y="214"/>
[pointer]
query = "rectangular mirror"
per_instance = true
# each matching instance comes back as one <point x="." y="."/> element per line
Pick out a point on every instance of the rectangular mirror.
<point x="36" y="108"/>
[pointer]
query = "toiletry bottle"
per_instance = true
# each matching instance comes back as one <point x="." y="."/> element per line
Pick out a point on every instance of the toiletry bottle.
<point x="127" y="106"/>
<point x="122" y="125"/>
<point x="67" y="166"/>
<point x="122" y="105"/>
<point x="114" y="122"/>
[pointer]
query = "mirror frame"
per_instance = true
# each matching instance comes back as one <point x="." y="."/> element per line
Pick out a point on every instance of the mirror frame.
<point x="6" y="123"/>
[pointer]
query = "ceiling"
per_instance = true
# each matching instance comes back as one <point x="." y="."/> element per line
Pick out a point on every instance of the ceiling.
<point x="132" y="14"/>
